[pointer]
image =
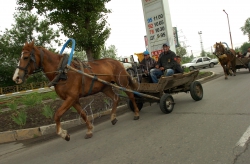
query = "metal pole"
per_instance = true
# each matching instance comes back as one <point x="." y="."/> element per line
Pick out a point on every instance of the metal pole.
<point x="229" y="30"/>
<point x="202" y="49"/>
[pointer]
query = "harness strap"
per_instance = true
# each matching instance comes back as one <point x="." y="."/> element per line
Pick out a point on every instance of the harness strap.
<point x="78" y="61"/>
<point x="41" y="61"/>
<point x="61" y="71"/>
<point x="92" y="84"/>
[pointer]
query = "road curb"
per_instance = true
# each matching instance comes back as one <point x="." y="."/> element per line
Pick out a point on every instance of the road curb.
<point x="23" y="134"/>
<point x="205" y="78"/>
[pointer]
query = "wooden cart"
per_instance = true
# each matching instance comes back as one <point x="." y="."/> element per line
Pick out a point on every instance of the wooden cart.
<point x="242" y="63"/>
<point x="166" y="86"/>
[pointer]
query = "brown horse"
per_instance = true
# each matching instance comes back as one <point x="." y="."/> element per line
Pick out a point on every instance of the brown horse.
<point x="70" y="85"/>
<point x="227" y="59"/>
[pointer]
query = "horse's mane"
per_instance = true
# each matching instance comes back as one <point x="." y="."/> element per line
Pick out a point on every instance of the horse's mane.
<point x="219" y="44"/>
<point x="222" y="45"/>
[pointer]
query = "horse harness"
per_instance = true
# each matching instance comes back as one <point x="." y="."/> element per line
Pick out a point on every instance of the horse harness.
<point x="62" y="71"/>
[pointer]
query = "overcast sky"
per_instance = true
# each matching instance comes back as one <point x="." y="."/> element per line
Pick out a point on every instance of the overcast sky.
<point x="128" y="28"/>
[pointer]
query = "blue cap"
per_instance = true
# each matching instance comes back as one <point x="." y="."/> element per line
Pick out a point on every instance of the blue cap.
<point x="165" y="44"/>
<point x="146" y="53"/>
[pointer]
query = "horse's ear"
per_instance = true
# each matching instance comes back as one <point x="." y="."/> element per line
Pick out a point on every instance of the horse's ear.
<point x="26" y="44"/>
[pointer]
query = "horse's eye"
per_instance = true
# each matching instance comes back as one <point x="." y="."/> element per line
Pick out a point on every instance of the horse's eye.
<point x="25" y="58"/>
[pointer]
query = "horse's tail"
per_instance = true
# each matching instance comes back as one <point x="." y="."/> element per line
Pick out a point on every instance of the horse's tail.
<point x="132" y="83"/>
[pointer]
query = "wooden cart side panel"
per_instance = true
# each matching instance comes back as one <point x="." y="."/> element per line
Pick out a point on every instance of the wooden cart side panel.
<point x="147" y="87"/>
<point x="240" y="61"/>
<point x="167" y="82"/>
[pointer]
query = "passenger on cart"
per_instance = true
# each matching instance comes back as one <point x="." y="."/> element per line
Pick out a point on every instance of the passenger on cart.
<point x="177" y="67"/>
<point x="146" y="65"/>
<point x="165" y="64"/>
<point x="247" y="54"/>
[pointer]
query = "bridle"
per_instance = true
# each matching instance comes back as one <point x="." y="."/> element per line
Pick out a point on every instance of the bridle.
<point x="220" y="50"/>
<point x="33" y="59"/>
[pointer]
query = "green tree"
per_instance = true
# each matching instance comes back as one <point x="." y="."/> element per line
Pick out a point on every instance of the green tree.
<point x="81" y="55"/>
<point x="85" y="21"/>
<point x="181" y="51"/>
<point x="237" y="49"/>
<point x="110" y="52"/>
<point x="244" y="47"/>
<point x="203" y="53"/>
<point x="246" y="28"/>
<point x="26" y="27"/>
<point x="210" y="55"/>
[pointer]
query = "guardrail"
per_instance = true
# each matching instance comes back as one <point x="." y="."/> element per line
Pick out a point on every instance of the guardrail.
<point x="23" y="87"/>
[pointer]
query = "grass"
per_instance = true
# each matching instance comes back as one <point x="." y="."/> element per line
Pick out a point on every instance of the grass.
<point x="201" y="73"/>
<point x="48" y="112"/>
<point x="12" y="106"/>
<point x="19" y="118"/>
<point x="29" y="99"/>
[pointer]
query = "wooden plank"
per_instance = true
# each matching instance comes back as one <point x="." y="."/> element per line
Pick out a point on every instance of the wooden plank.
<point x="147" y="87"/>
<point x="240" y="61"/>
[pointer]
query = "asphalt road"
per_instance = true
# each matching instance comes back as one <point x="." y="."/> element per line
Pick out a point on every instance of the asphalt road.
<point x="207" y="131"/>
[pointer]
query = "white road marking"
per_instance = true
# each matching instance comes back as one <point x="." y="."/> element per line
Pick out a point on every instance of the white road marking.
<point x="244" y="138"/>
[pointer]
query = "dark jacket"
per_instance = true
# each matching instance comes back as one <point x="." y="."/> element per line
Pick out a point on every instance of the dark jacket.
<point x="178" y="68"/>
<point x="148" y="64"/>
<point x="167" y="60"/>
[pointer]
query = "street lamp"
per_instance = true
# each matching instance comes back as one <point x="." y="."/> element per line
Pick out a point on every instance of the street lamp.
<point x="229" y="30"/>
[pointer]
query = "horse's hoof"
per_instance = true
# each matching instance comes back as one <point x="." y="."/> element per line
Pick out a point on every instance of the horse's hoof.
<point x="87" y="136"/>
<point x="225" y="78"/>
<point x="67" y="138"/>
<point x="136" y="117"/>
<point x="114" y="121"/>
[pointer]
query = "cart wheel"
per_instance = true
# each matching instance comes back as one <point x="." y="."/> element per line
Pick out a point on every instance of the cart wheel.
<point x="166" y="103"/>
<point x="131" y="106"/>
<point x="196" y="90"/>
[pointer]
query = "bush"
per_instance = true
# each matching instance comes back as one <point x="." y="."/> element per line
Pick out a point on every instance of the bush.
<point x="19" y="118"/>
<point x="32" y="99"/>
<point x="48" y="112"/>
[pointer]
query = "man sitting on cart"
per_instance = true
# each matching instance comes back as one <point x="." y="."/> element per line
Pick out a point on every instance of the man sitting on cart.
<point x="165" y="64"/>
<point x="147" y="63"/>
<point x="247" y="54"/>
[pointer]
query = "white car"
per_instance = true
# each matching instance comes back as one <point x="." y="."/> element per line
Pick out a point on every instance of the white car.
<point x="130" y="69"/>
<point x="200" y="62"/>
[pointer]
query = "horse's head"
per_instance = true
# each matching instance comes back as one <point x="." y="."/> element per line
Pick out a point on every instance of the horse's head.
<point x="219" y="49"/>
<point x="28" y="63"/>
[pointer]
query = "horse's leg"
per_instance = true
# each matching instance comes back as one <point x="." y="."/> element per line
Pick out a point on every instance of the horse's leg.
<point x="81" y="112"/>
<point x="229" y="66"/>
<point x="65" y="106"/>
<point x="234" y="67"/>
<point x="110" y="93"/>
<point x="225" y="70"/>
<point x="136" y="110"/>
